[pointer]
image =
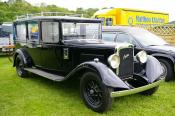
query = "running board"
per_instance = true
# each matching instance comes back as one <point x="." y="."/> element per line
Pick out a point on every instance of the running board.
<point x="45" y="74"/>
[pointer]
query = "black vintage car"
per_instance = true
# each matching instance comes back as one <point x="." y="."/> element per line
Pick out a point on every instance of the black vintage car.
<point x="62" y="47"/>
<point x="144" y="40"/>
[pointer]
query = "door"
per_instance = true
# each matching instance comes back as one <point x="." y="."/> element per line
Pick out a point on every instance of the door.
<point x="33" y="42"/>
<point x="51" y="50"/>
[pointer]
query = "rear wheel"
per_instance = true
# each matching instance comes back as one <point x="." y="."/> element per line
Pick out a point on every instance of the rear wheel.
<point x="94" y="93"/>
<point x="168" y="69"/>
<point x="20" y="67"/>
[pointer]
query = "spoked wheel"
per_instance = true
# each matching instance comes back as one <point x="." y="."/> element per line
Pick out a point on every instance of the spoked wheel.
<point x="94" y="93"/>
<point x="20" y="67"/>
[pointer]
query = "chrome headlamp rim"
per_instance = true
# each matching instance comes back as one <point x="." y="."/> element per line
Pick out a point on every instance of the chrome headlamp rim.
<point x="142" y="56"/>
<point x="114" y="61"/>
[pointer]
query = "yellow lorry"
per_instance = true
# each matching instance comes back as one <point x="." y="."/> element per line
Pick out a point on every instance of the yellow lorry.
<point x="133" y="17"/>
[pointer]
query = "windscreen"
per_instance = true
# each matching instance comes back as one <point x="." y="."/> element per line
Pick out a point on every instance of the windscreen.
<point x="147" y="38"/>
<point x="107" y="36"/>
<point x="72" y="30"/>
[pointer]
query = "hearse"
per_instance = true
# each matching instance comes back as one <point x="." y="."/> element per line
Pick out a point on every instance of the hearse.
<point x="63" y="47"/>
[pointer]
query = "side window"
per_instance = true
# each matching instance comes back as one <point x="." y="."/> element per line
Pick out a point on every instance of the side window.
<point x="33" y="31"/>
<point x="21" y="32"/>
<point x="124" y="38"/>
<point x="50" y="32"/>
<point x="109" y="36"/>
<point x="108" y="21"/>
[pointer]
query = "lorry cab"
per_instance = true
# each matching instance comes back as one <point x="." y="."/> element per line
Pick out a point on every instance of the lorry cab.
<point x="130" y="17"/>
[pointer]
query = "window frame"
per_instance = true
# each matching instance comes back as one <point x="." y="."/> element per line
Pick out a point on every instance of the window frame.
<point x="62" y="22"/>
<point x="59" y="31"/>
<point x="28" y="38"/>
<point x="16" y="32"/>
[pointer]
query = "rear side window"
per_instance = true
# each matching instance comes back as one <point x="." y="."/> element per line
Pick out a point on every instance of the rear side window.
<point x="21" y="32"/>
<point x="33" y="31"/>
<point x="50" y="32"/>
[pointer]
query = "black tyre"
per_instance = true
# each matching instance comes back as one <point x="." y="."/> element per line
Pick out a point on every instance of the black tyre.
<point x="94" y="93"/>
<point x="20" y="67"/>
<point x="150" y="91"/>
<point x="168" y="69"/>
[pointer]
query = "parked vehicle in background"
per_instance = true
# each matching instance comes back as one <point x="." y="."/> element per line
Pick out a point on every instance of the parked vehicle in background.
<point x="144" y="40"/>
<point x="6" y="38"/>
<point x="62" y="47"/>
<point x="126" y="16"/>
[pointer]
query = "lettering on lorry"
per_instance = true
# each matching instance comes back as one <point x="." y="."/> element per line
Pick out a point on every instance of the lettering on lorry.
<point x="145" y="19"/>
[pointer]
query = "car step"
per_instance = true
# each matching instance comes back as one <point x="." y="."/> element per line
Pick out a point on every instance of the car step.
<point x="45" y="74"/>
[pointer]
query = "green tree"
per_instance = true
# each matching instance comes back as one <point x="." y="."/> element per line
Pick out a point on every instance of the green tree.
<point x="9" y="10"/>
<point x="86" y="12"/>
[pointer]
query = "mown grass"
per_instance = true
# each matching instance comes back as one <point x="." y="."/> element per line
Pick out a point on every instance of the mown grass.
<point x="41" y="97"/>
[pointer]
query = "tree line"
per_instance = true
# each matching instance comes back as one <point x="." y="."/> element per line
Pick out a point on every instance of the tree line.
<point x="12" y="8"/>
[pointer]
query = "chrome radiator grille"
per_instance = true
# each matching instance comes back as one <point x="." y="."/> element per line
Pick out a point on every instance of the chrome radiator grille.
<point x="126" y="67"/>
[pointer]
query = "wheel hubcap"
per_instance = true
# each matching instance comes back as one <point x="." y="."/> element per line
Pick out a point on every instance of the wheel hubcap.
<point x="93" y="93"/>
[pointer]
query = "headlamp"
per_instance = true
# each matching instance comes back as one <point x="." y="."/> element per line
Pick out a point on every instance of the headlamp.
<point x="142" y="57"/>
<point x="114" y="61"/>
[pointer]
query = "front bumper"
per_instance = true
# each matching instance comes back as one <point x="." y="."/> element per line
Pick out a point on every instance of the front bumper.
<point x="135" y="90"/>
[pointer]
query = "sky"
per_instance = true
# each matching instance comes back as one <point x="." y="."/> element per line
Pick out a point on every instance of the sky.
<point x="166" y="6"/>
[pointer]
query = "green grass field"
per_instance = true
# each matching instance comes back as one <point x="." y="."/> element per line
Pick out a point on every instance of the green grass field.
<point x="41" y="97"/>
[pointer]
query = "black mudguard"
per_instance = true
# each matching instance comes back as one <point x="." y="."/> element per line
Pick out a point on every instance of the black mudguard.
<point x="164" y="56"/>
<point x="154" y="70"/>
<point x="25" y="56"/>
<point x="109" y="78"/>
<point x="150" y="71"/>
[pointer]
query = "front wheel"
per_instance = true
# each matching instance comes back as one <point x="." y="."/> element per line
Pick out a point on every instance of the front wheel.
<point x="150" y="91"/>
<point x="94" y="93"/>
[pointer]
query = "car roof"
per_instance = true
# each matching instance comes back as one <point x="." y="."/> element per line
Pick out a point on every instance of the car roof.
<point x="125" y="29"/>
<point x="65" y="18"/>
